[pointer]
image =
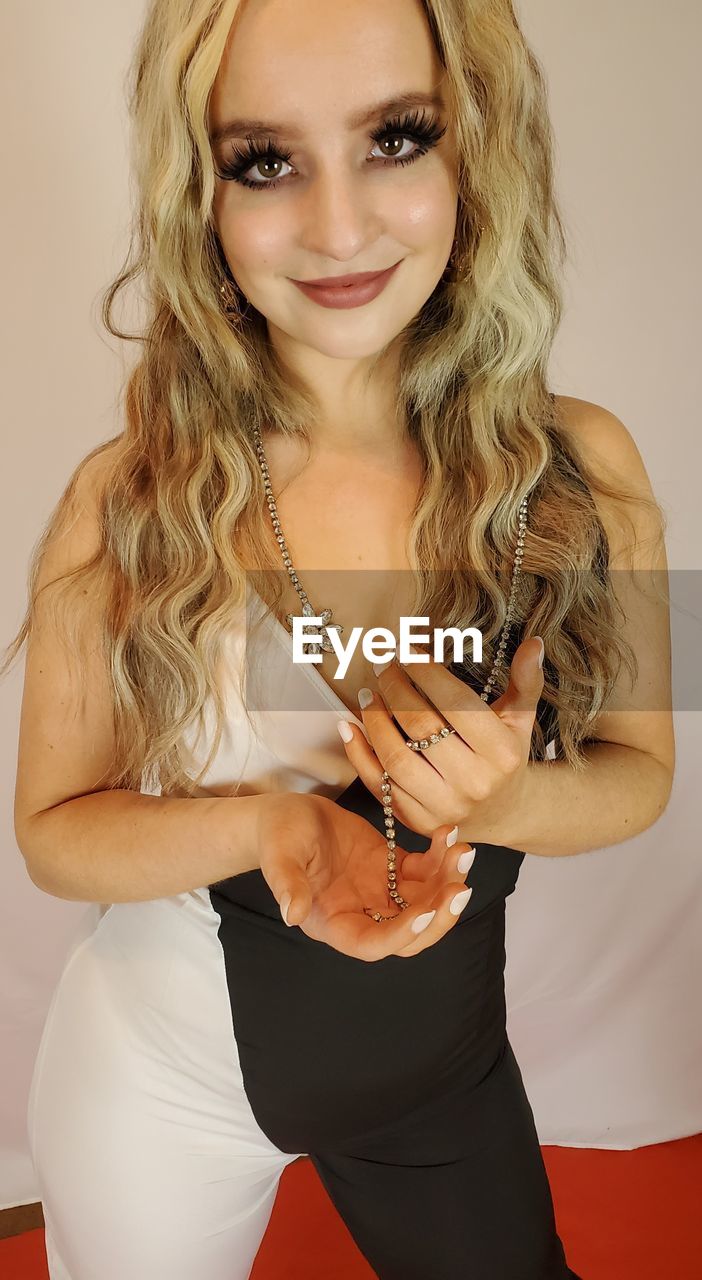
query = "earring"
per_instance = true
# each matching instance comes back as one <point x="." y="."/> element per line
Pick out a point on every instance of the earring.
<point x="455" y="272"/>
<point x="451" y="273"/>
<point x="228" y="294"/>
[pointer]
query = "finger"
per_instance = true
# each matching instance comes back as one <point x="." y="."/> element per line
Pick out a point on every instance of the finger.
<point x="388" y="745"/>
<point x="358" y="935"/>
<point x="475" y="722"/>
<point x="517" y="705"/>
<point x="419" y="719"/>
<point x="289" y="885"/>
<point x="455" y="893"/>
<point x="418" y="889"/>
<point x="362" y="757"/>
<point x="439" y="855"/>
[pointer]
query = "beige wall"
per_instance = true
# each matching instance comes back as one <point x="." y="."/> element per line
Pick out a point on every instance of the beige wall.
<point x="625" y="94"/>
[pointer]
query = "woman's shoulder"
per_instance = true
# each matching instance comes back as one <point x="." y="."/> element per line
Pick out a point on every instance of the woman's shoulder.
<point x="98" y="466"/>
<point x="73" y="535"/>
<point x="600" y="434"/>
<point x="608" y="448"/>
<point x="604" y="441"/>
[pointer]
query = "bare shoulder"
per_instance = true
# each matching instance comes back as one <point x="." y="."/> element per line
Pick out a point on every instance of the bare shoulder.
<point x="608" y="447"/>
<point x="604" y="440"/>
<point x="74" y="534"/>
<point x="93" y="473"/>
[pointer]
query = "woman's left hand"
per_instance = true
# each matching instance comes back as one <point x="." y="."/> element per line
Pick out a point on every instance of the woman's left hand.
<point x="471" y="775"/>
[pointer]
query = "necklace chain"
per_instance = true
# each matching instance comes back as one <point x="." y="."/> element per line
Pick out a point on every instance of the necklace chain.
<point x="326" y="645"/>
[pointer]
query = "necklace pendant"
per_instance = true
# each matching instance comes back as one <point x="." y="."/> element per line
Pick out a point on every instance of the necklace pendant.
<point x="312" y="646"/>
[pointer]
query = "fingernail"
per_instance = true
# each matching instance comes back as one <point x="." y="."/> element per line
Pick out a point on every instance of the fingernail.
<point x="465" y="861"/>
<point x="285" y="907"/>
<point x="422" y="921"/>
<point x="540" y="659"/>
<point x="457" y="904"/>
<point x="452" y="837"/>
<point x="379" y="667"/>
<point x="364" y="697"/>
<point x="345" y="730"/>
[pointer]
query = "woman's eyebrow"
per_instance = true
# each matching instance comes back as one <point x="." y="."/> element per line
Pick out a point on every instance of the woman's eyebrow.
<point x="399" y="102"/>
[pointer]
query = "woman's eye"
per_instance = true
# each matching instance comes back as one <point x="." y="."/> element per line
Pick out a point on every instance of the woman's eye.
<point x="263" y="169"/>
<point x="265" y="162"/>
<point x="267" y="170"/>
<point x="394" y="139"/>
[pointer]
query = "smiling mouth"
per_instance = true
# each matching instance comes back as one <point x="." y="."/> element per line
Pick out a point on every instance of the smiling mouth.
<point x="344" y="282"/>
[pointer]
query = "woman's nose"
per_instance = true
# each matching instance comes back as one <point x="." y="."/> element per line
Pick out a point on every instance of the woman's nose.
<point x="340" y="217"/>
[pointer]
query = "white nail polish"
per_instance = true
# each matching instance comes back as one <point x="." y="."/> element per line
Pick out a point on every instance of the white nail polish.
<point x="345" y="730"/>
<point x="422" y="921"/>
<point x="457" y="904"/>
<point x="465" y="861"/>
<point x="379" y="667"/>
<point x="452" y="837"/>
<point x="365" y="697"/>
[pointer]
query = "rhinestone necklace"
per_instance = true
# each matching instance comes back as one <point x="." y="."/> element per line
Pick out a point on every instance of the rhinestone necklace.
<point x="326" y="645"/>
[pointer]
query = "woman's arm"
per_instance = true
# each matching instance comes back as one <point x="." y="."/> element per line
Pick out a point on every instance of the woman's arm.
<point x="81" y="839"/>
<point x="628" y="778"/>
<point x="621" y="792"/>
<point x="125" y="846"/>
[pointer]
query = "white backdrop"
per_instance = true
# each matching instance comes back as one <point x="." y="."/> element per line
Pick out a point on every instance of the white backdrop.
<point x="605" y="948"/>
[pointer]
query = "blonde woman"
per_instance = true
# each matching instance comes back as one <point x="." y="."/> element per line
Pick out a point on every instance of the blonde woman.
<point x="302" y="951"/>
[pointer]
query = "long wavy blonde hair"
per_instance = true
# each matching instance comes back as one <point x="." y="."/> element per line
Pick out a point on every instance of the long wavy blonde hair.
<point x="185" y="492"/>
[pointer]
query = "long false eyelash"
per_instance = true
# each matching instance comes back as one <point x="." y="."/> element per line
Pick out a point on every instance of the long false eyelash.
<point x="242" y="159"/>
<point x="424" y="130"/>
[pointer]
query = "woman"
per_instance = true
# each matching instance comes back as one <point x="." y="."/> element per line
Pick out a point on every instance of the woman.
<point x="326" y="447"/>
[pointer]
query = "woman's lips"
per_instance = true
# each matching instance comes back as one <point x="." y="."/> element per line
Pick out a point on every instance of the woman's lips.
<point x="342" y="295"/>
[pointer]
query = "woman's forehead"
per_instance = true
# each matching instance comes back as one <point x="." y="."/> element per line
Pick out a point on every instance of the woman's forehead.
<point x="287" y="60"/>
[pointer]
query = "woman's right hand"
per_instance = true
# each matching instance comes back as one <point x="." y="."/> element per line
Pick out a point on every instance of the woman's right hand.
<point x="333" y="863"/>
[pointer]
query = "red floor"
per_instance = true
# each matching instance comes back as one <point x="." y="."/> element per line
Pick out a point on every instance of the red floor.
<point x="622" y="1215"/>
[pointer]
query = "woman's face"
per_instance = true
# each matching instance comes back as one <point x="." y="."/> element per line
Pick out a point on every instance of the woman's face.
<point x="327" y="198"/>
